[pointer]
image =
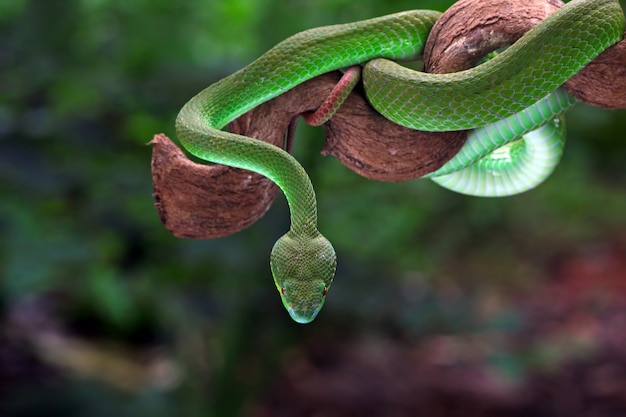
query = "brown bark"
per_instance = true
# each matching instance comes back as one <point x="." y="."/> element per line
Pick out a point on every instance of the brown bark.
<point x="196" y="201"/>
<point x="602" y="83"/>
<point x="470" y="29"/>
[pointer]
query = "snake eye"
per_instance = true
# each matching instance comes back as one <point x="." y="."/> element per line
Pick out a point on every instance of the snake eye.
<point x="324" y="291"/>
<point x="283" y="291"/>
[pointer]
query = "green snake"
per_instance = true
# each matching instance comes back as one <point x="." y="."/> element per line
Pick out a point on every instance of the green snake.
<point x="513" y="94"/>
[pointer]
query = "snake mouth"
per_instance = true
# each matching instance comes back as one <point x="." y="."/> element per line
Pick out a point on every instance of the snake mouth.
<point x="304" y="312"/>
<point x="303" y="316"/>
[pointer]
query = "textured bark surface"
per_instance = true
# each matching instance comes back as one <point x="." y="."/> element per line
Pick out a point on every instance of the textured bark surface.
<point x="207" y="201"/>
<point x="602" y="83"/>
<point x="470" y="29"/>
<point x="196" y="201"/>
<point x="375" y="148"/>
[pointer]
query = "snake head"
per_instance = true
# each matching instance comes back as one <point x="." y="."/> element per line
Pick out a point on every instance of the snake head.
<point x="303" y="269"/>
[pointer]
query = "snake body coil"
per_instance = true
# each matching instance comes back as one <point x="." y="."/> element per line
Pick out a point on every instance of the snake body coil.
<point x="303" y="261"/>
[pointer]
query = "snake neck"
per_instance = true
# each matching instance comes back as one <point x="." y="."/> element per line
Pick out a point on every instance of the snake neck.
<point x="301" y="199"/>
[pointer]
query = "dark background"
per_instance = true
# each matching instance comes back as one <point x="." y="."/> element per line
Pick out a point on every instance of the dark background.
<point x="443" y="304"/>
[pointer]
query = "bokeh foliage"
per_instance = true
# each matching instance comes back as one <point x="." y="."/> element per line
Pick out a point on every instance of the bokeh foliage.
<point x="84" y="84"/>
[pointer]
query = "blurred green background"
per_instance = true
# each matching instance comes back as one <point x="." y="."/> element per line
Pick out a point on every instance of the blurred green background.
<point x="103" y="312"/>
